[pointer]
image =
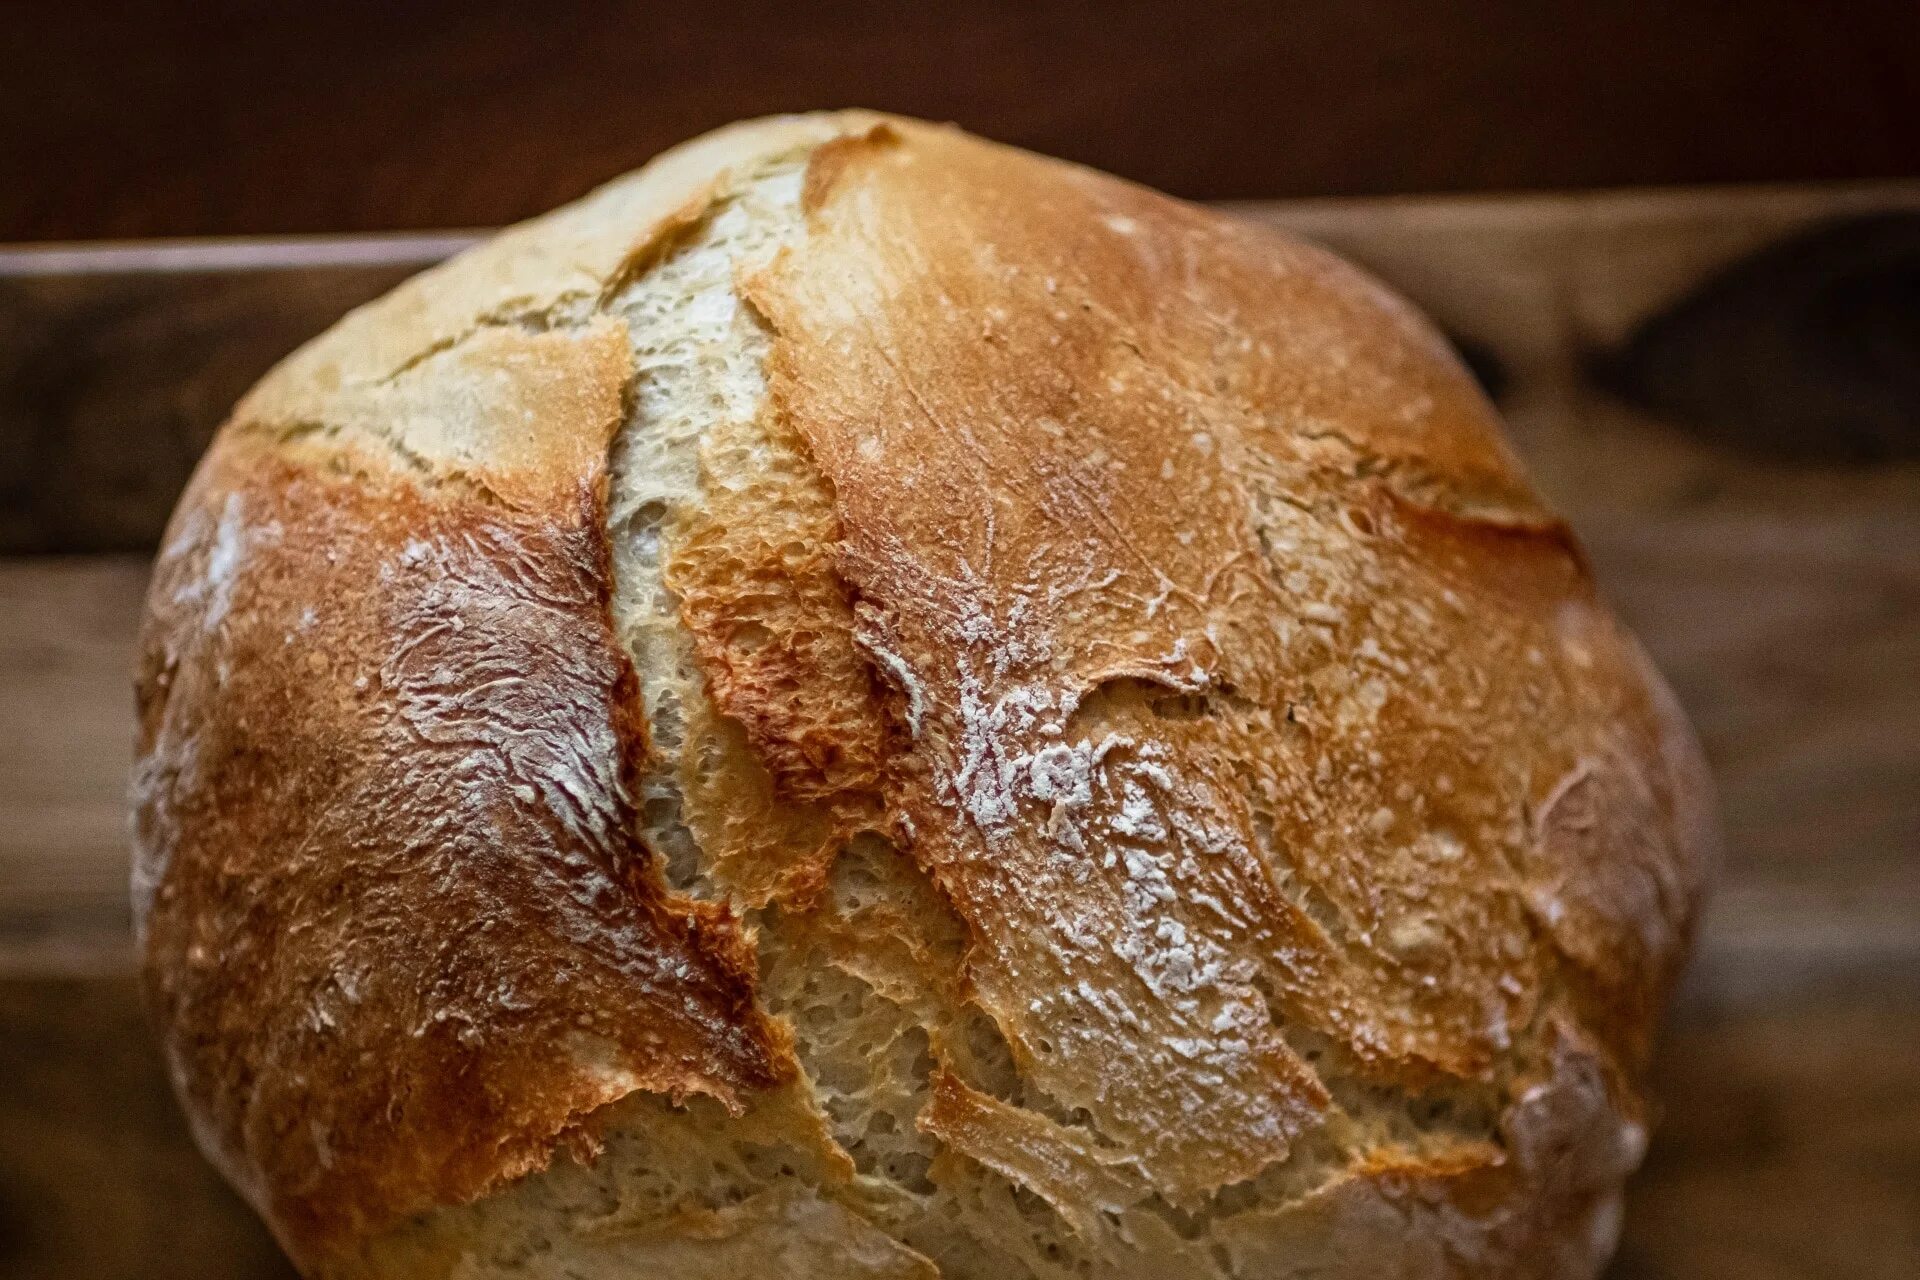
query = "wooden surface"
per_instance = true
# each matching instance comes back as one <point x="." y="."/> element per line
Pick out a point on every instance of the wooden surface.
<point x="1781" y="597"/>
<point x="114" y="370"/>
<point x="248" y="116"/>
<point x="98" y="1177"/>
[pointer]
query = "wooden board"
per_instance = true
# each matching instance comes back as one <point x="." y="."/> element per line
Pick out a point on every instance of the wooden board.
<point x="1782" y="599"/>
<point x="98" y="1176"/>
<point x="116" y="364"/>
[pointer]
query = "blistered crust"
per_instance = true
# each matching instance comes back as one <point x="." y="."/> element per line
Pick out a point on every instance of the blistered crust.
<point x="400" y="934"/>
<point x="1259" y="691"/>
<point x="1127" y="680"/>
<point x="398" y="927"/>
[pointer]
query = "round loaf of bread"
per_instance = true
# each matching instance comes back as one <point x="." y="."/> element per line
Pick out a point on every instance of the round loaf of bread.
<point x="861" y="703"/>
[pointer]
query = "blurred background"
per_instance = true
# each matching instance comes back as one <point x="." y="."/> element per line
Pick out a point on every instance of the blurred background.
<point x="133" y="120"/>
<point x="1679" y="244"/>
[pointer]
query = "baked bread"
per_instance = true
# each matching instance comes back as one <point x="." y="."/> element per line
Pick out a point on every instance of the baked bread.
<point x="864" y="703"/>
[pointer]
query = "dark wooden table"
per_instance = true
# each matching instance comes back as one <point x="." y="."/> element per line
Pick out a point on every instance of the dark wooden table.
<point x="1777" y="583"/>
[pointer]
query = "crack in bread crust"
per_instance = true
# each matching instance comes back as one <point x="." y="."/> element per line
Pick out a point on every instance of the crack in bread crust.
<point x="1276" y="881"/>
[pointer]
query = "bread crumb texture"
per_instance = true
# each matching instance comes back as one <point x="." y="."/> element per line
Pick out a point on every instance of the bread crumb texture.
<point x="863" y="703"/>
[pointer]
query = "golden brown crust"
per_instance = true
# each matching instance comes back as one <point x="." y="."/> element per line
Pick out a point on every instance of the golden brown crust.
<point x="1379" y="658"/>
<point x="400" y="934"/>
<point x="775" y="636"/>
<point x="1263" y="765"/>
<point x="402" y="937"/>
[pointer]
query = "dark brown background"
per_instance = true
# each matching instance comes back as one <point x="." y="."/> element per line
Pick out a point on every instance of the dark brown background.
<point x="121" y="120"/>
<point x="1778" y="587"/>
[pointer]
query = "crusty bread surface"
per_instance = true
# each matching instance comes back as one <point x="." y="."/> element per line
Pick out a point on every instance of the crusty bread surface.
<point x="864" y="703"/>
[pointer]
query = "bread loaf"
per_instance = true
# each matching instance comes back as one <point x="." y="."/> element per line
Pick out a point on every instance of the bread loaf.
<point x="861" y="703"/>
